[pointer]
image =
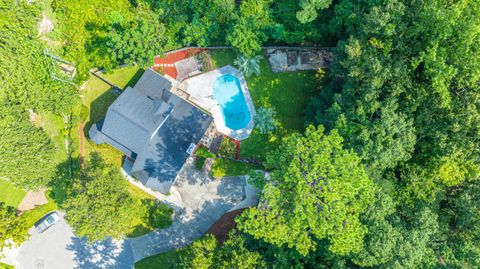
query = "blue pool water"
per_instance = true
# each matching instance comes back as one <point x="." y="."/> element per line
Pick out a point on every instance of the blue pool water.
<point x="228" y="92"/>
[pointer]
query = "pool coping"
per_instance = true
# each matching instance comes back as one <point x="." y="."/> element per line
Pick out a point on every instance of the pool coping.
<point x="200" y="91"/>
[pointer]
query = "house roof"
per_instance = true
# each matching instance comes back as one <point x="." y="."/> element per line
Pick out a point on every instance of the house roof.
<point x="156" y="126"/>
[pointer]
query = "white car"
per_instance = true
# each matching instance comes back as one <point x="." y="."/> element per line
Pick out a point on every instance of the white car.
<point x="48" y="221"/>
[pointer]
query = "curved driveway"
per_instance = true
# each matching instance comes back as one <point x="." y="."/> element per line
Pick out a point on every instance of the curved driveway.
<point x="203" y="201"/>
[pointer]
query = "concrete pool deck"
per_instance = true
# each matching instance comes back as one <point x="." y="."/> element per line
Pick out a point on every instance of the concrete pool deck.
<point x="200" y="90"/>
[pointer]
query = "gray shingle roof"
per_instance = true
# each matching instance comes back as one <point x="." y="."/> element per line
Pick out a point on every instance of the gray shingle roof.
<point x="156" y="125"/>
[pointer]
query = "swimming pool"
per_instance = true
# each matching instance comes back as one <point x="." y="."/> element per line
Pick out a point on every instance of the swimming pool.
<point x="229" y="95"/>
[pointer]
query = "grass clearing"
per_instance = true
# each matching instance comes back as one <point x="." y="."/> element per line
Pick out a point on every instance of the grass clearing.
<point x="287" y="93"/>
<point x="161" y="261"/>
<point x="224" y="167"/>
<point x="11" y="195"/>
<point x="125" y="76"/>
<point x="97" y="97"/>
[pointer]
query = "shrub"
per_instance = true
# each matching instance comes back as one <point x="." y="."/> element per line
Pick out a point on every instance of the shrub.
<point x="249" y="66"/>
<point x="227" y="148"/>
<point x="160" y="215"/>
<point x="204" y="153"/>
<point x="199" y="162"/>
<point x="265" y="121"/>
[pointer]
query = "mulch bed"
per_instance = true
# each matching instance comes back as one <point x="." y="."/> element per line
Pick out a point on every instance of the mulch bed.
<point x="224" y="225"/>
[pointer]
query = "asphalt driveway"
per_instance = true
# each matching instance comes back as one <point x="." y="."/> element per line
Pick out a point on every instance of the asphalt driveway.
<point x="59" y="248"/>
<point x="204" y="200"/>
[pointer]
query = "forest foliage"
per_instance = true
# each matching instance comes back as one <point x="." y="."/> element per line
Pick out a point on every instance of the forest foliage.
<point x="395" y="137"/>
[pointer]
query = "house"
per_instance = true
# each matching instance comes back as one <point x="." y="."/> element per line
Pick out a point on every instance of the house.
<point x="154" y="128"/>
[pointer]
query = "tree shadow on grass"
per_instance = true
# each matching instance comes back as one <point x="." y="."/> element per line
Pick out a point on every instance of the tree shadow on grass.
<point x="98" y="109"/>
<point x="65" y="171"/>
<point x="135" y="78"/>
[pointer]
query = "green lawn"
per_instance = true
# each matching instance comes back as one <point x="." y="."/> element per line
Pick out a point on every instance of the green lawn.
<point x="160" y="261"/>
<point x="123" y="77"/>
<point x="11" y="195"/>
<point x="223" y="167"/>
<point x="287" y="93"/>
<point x="97" y="97"/>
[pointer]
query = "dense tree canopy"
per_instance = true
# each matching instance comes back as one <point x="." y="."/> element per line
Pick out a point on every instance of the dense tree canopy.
<point x="21" y="138"/>
<point x="404" y="96"/>
<point x="206" y="253"/>
<point x="317" y="191"/>
<point x="389" y="178"/>
<point x="11" y="227"/>
<point x="98" y="204"/>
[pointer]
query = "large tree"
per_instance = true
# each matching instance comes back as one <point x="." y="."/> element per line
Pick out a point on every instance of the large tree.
<point x="27" y="154"/>
<point x="317" y="191"/>
<point x="26" y="71"/>
<point x="405" y="97"/>
<point x="98" y="204"/>
<point x="249" y="30"/>
<point x="139" y="40"/>
<point x="12" y="227"/>
<point x="206" y="253"/>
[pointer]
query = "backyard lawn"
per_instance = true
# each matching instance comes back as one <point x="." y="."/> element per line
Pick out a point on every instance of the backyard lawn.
<point x="224" y="167"/>
<point x="287" y="93"/>
<point x="10" y="195"/>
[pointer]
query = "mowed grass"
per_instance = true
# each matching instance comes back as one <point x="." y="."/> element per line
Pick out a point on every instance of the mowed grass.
<point x="125" y="76"/>
<point x="11" y="195"/>
<point x="96" y="97"/>
<point x="224" y="167"/>
<point x="161" y="261"/>
<point x="287" y="93"/>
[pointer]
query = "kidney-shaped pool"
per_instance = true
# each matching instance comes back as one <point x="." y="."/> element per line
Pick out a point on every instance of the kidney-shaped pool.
<point x="229" y="95"/>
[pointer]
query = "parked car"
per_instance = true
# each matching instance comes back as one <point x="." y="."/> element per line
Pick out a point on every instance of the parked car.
<point x="48" y="221"/>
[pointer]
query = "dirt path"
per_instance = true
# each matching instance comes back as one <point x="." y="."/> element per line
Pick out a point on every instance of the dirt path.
<point x="32" y="199"/>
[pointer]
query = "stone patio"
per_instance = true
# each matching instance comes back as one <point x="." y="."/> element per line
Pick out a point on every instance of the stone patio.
<point x="294" y="59"/>
<point x="187" y="68"/>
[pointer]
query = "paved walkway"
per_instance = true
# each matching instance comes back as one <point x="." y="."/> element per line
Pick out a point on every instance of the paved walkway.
<point x="203" y="201"/>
